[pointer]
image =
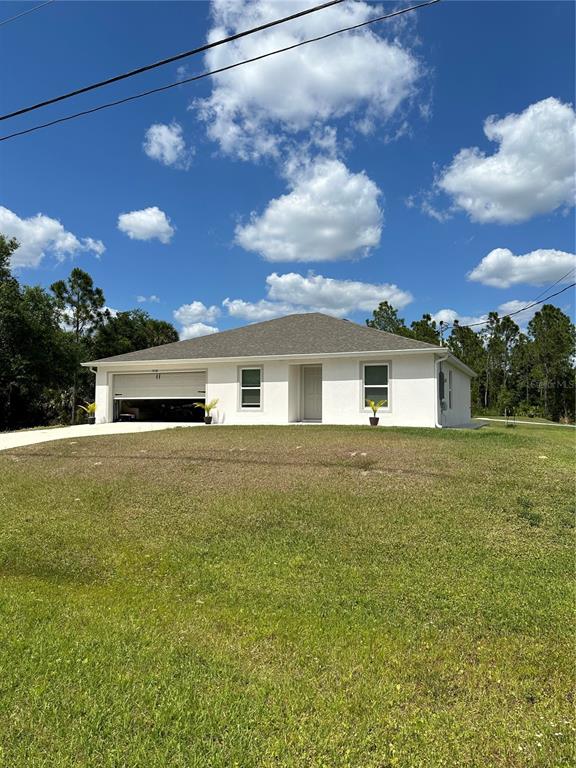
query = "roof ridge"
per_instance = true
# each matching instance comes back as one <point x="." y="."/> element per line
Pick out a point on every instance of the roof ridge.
<point x="298" y="333"/>
<point x="388" y="333"/>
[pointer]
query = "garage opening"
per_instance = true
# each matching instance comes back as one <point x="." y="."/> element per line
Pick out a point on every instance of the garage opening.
<point x="157" y="396"/>
<point x="158" y="410"/>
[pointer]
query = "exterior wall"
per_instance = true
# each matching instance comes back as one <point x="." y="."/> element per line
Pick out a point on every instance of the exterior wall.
<point x="460" y="413"/>
<point x="222" y="383"/>
<point x="103" y="397"/>
<point x="411" y="391"/>
<point x="294" y="382"/>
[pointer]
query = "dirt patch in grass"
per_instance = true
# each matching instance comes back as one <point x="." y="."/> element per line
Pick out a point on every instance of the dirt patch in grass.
<point x="236" y="458"/>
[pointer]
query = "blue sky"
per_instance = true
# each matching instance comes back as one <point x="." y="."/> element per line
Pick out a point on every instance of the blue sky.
<point x="329" y="178"/>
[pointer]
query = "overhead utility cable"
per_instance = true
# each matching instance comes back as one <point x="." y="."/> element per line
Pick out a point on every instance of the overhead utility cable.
<point x="213" y="72"/>
<point x="24" y="13"/>
<point x="169" y="60"/>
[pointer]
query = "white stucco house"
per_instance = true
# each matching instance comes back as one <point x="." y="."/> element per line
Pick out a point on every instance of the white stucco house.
<point x="298" y="368"/>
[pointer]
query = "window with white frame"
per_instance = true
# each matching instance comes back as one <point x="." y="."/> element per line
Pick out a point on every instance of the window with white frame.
<point x="250" y="387"/>
<point x="449" y="389"/>
<point x="375" y="384"/>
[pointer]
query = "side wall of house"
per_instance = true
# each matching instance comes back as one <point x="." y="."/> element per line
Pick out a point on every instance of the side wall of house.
<point x="459" y="414"/>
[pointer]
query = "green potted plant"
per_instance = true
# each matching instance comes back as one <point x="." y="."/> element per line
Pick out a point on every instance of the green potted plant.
<point x="375" y="405"/>
<point x="207" y="407"/>
<point x="90" y="409"/>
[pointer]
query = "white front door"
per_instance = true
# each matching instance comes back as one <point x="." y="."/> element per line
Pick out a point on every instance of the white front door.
<point x="312" y="393"/>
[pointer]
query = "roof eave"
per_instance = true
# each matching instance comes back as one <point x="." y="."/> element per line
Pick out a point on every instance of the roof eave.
<point x="459" y="364"/>
<point x="241" y="358"/>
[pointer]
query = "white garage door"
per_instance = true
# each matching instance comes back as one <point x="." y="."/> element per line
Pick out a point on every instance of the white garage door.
<point x="161" y="386"/>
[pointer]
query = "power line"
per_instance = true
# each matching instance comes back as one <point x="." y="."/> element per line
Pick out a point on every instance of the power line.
<point x="555" y="283"/>
<point x="25" y="13"/>
<point x="523" y="309"/>
<point x="518" y="311"/>
<point x="169" y="60"/>
<point x="213" y="71"/>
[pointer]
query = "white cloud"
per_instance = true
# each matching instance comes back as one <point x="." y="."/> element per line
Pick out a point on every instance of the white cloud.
<point x="194" y="330"/>
<point x="40" y="236"/>
<point x="166" y="144"/>
<point x="258" y="310"/>
<point x="431" y="210"/>
<point x="501" y="268"/>
<point x="96" y="246"/>
<point x="195" y="318"/>
<point x="358" y="74"/>
<point x="146" y="224"/>
<point x="515" y="306"/>
<point x="330" y="214"/>
<point x="292" y="293"/>
<point x="153" y="299"/>
<point x="196" y="312"/>
<point x="531" y="173"/>
<point x="448" y="316"/>
<point x="507" y="308"/>
<point x="338" y="297"/>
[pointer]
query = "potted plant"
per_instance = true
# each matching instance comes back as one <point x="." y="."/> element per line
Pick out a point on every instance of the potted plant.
<point x="90" y="409"/>
<point x="375" y="405"/>
<point x="207" y="407"/>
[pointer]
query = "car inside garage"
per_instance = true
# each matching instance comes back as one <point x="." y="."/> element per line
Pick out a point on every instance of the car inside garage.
<point x="159" y="396"/>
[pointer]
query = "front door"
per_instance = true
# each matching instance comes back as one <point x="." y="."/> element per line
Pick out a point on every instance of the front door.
<point x="312" y="393"/>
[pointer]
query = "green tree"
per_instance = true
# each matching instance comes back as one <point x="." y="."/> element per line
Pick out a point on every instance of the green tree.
<point x="7" y="248"/>
<point x="510" y="334"/>
<point x="385" y="318"/>
<point x="521" y="365"/>
<point x="130" y="331"/>
<point x="500" y="336"/>
<point x="425" y="329"/>
<point x="10" y="364"/>
<point x="82" y="310"/>
<point x="34" y="353"/>
<point x="554" y="339"/>
<point x="467" y="346"/>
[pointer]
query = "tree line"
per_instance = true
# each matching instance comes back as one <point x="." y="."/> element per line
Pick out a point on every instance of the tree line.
<point x="46" y="334"/>
<point x="528" y="373"/>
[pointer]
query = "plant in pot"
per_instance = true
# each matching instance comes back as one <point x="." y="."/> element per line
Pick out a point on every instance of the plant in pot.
<point x="207" y="408"/>
<point x="375" y="405"/>
<point x="90" y="409"/>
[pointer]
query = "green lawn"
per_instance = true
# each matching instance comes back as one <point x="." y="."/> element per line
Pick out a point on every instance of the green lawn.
<point x="314" y="597"/>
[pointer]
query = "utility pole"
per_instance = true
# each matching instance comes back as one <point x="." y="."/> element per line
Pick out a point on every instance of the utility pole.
<point x="441" y="333"/>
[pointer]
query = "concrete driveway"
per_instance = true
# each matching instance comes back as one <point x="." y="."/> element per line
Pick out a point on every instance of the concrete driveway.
<point x="32" y="436"/>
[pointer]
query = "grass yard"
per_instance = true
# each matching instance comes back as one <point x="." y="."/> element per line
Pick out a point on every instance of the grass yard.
<point x="263" y="597"/>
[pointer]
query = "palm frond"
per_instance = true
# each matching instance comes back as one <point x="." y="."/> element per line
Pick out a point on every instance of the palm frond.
<point x="376" y="405"/>
<point x="207" y="407"/>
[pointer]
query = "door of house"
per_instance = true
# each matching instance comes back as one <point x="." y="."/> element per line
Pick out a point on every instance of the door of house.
<point x="312" y="393"/>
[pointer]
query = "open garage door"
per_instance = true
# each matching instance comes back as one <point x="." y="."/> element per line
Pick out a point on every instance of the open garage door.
<point x="160" y="386"/>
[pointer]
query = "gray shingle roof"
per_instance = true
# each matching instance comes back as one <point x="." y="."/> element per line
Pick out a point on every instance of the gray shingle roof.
<point x="304" y="334"/>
